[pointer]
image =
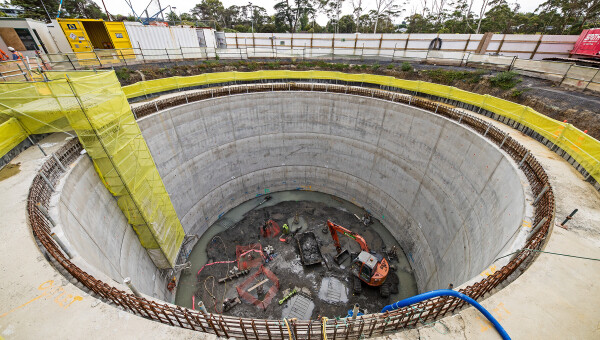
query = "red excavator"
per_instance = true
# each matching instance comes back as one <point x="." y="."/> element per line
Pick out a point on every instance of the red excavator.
<point x="368" y="267"/>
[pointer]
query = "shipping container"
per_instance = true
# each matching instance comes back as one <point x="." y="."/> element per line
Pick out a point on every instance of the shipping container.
<point x="85" y="35"/>
<point x="588" y="44"/>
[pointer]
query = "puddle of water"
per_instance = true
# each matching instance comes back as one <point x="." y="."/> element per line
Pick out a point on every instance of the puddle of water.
<point x="198" y="257"/>
<point x="10" y="170"/>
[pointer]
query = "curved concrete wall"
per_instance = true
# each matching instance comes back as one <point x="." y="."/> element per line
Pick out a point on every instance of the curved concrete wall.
<point x="98" y="233"/>
<point x="450" y="198"/>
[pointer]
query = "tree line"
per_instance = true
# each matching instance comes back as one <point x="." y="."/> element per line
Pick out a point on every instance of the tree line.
<point x="367" y="16"/>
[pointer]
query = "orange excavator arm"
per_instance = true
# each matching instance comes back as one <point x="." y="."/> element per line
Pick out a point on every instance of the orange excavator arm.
<point x="336" y="228"/>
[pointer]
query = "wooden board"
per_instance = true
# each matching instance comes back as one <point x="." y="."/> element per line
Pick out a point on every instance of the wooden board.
<point x="10" y="37"/>
<point x="258" y="285"/>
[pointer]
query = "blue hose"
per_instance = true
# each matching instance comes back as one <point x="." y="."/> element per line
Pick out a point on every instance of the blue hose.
<point x="448" y="292"/>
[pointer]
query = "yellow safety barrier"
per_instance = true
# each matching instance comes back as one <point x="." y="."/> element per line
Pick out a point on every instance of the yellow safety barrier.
<point x="95" y="107"/>
<point x="583" y="148"/>
<point x="41" y="107"/>
<point x="11" y="134"/>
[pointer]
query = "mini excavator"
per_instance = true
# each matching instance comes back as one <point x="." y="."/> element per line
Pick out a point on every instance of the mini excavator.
<point x="368" y="267"/>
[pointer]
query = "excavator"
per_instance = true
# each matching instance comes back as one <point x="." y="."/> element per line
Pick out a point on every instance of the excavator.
<point x="368" y="267"/>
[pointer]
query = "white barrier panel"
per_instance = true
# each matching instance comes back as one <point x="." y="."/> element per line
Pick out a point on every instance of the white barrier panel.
<point x="542" y="69"/>
<point x="580" y="76"/>
<point x="490" y="59"/>
<point x="521" y="45"/>
<point x="159" y="37"/>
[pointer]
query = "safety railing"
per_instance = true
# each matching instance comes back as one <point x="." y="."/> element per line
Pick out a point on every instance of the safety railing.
<point x="26" y="69"/>
<point x="565" y="73"/>
<point x="248" y="328"/>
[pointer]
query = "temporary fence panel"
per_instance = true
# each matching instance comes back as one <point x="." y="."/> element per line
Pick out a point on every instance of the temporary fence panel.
<point x="531" y="46"/>
<point x="249" y="256"/>
<point x="584" y="149"/>
<point x="94" y="105"/>
<point x="550" y="70"/>
<point x="579" y="76"/>
<point x="594" y="85"/>
<point x="156" y="41"/>
<point x="242" y="288"/>
<point x="406" y="45"/>
<point x="513" y="45"/>
<point x="555" y="46"/>
<point x="491" y="60"/>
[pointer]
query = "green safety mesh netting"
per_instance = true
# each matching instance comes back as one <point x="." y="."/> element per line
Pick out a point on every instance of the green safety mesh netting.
<point x="583" y="148"/>
<point x="109" y="128"/>
<point x="95" y="107"/>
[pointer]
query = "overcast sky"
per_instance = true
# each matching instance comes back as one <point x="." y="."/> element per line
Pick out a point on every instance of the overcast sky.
<point x="121" y="7"/>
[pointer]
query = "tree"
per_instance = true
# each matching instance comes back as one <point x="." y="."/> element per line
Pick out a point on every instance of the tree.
<point x="460" y="19"/>
<point x="186" y="17"/>
<point x="257" y="16"/>
<point x="333" y="9"/>
<point x="500" y="18"/>
<point x="572" y="12"/>
<point x="267" y="28"/>
<point x="357" y="10"/>
<point x="481" y="12"/>
<point x="345" y="25"/>
<point x="284" y="15"/>
<point x="291" y="15"/>
<point x="172" y="16"/>
<point x="385" y="9"/>
<point x="70" y="9"/>
<point x="209" y="10"/>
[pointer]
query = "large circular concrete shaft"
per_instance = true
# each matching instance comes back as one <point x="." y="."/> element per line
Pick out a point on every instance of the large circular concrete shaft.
<point x="451" y="198"/>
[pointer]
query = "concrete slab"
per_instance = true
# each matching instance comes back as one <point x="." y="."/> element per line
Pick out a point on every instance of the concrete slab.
<point x="35" y="300"/>
<point x="298" y="306"/>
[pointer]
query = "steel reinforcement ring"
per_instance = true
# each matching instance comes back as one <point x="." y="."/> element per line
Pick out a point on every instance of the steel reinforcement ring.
<point x="247" y="328"/>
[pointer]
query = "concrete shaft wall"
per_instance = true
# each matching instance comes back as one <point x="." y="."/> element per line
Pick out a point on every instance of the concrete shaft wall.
<point x="103" y="241"/>
<point x="450" y="198"/>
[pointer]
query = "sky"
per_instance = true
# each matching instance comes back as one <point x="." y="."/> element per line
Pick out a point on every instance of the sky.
<point x="121" y="7"/>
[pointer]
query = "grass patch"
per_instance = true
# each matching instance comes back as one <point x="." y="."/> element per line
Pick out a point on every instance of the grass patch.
<point x="451" y="76"/>
<point x="123" y="73"/>
<point x="406" y="67"/>
<point x="505" y="80"/>
<point x="273" y="65"/>
<point x="516" y="93"/>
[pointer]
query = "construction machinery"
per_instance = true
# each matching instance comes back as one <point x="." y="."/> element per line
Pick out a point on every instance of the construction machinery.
<point x="368" y="267"/>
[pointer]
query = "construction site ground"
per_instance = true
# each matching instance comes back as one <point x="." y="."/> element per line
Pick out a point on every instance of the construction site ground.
<point x="328" y="286"/>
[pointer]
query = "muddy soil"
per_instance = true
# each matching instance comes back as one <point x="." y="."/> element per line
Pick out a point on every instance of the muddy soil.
<point x="311" y="281"/>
